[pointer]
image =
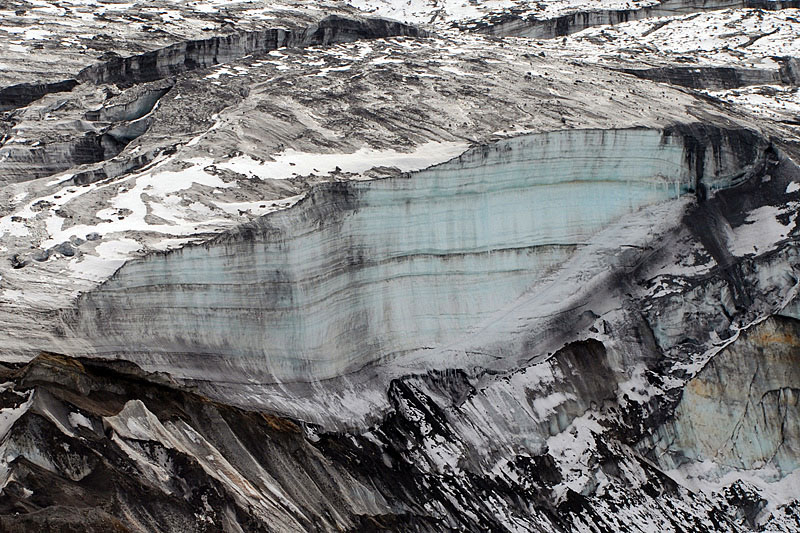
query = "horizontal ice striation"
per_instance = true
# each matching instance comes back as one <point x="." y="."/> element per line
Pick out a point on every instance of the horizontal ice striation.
<point x="361" y="271"/>
<point x="202" y="53"/>
<point x="716" y="78"/>
<point x="505" y="24"/>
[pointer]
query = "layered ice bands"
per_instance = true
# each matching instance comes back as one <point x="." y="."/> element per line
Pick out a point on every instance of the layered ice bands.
<point x="360" y="272"/>
<point x="541" y="26"/>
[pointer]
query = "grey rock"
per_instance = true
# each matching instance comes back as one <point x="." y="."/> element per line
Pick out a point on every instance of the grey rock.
<point x="40" y="255"/>
<point x="65" y="248"/>
<point x="17" y="262"/>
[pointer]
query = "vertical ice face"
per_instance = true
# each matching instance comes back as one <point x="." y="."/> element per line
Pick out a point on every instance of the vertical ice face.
<point x="362" y="271"/>
<point x="738" y="411"/>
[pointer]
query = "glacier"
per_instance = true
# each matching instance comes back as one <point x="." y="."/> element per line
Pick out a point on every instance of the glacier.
<point x="285" y="267"/>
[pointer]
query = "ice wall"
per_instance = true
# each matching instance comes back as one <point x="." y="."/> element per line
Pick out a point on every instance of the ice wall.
<point x="739" y="411"/>
<point x="202" y="53"/>
<point x="362" y="271"/>
<point x="548" y="28"/>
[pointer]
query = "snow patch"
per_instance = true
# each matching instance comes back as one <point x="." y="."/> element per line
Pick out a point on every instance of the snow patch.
<point x="10" y="415"/>
<point x="78" y="420"/>
<point x="293" y="163"/>
<point x="762" y="230"/>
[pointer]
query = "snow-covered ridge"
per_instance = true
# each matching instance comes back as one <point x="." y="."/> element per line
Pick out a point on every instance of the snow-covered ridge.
<point x="433" y="11"/>
<point x="530" y="18"/>
<point x="747" y="58"/>
<point x="740" y="38"/>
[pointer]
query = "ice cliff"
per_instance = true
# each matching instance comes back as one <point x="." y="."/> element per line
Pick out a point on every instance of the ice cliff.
<point x="360" y="272"/>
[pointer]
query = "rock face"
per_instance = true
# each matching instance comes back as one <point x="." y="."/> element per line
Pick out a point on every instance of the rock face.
<point x="286" y="267"/>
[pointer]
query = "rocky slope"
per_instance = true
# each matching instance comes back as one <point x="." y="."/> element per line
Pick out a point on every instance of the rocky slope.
<point x="286" y="267"/>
